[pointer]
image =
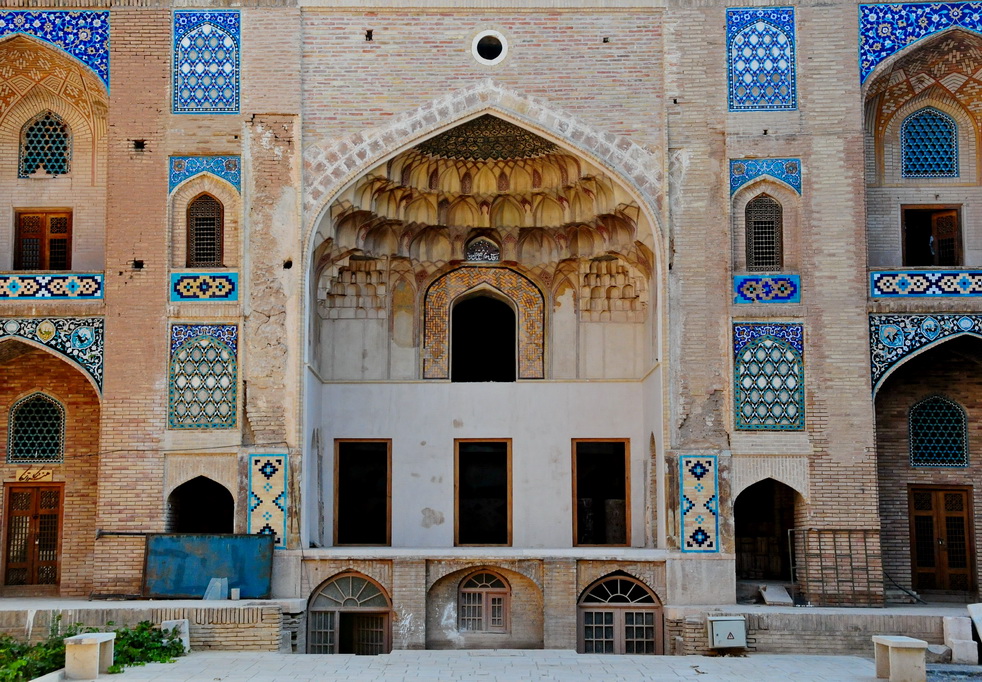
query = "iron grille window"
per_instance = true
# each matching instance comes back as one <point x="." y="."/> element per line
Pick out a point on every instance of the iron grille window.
<point x="764" y="224"/>
<point x="37" y="430"/>
<point x="203" y="385"/>
<point x="45" y="144"/>
<point x="483" y="603"/>
<point x="929" y="145"/>
<point x="206" y="232"/>
<point x="938" y="433"/>
<point x="769" y="387"/>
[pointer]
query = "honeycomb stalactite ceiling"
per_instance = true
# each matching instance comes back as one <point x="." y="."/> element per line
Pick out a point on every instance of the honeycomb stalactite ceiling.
<point x="486" y="174"/>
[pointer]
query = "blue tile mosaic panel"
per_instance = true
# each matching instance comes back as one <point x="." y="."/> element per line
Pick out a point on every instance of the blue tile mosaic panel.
<point x="929" y="145"/>
<point x="885" y="29"/>
<point x="760" y="52"/>
<point x="938" y="430"/>
<point x="699" y="498"/>
<point x="743" y="171"/>
<point x="72" y="287"/>
<point x="268" y="497"/>
<point x="82" y="34"/>
<point x="893" y="337"/>
<point x="79" y="339"/>
<point x="768" y="369"/>
<point x="206" y="62"/>
<point x="228" y="168"/>
<point x="203" y="376"/>
<point x="766" y="289"/>
<point x="202" y="286"/>
<point x="925" y="283"/>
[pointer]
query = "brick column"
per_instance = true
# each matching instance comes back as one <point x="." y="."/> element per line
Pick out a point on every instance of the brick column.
<point x="409" y="602"/>
<point x="559" y="603"/>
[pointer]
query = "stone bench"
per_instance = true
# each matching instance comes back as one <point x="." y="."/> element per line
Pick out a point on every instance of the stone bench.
<point x="88" y="655"/>
<point x="900" y="659"/>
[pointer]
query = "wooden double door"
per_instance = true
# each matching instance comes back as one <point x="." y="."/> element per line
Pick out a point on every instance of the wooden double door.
<point x="942" y="546"/>
<point x="32" y="534"/>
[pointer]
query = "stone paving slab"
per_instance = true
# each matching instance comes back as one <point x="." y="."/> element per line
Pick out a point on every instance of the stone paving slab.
<point x="481" y="666"/>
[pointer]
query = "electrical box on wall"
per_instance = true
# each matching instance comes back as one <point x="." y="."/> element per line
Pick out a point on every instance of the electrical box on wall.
<point x="727" y="632"/>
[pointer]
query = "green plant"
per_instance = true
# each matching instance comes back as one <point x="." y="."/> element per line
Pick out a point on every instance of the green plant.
<point x="146" y="643"/>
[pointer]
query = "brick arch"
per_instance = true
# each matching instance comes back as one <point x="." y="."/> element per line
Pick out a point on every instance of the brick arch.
<point x="519" y="289"/>
<point x="330" y="166"/>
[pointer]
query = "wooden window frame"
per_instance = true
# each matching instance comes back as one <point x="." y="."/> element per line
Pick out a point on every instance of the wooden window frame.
<point x="220" y="246"/>
<point x="456" y="490"/>
<point x="618" y="609"/>
<point x="486" y="595"/>
<point x="627" y="490"/>
<point x="45" y="249"/>
<point x="388" y="489"/>
<point x="5" y="528"/>
<point x="932" y="207"/>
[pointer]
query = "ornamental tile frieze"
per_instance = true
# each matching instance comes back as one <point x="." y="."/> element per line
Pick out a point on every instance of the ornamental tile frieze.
<point x="920" y="284"/>
<point x="743" y="171"/>
<point x="82" y="34"/>
<point x="68" y="287"/>
<point x="760" y="51"/>
<point x="894" y="337"/>
<point x="204" y="286"/>
<point x="227" y="168"/>
<point x="79" y="339"/>
<point x="766" y="289"/>
<point x="699" y="497"/>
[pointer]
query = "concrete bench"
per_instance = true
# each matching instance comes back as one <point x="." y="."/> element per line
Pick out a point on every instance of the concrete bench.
<point x="900" y="659"/>
<point x="88" y="655"/>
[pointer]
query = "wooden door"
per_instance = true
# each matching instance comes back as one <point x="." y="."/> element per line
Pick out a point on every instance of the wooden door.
<point x="44" y="241"/>
<point x="941" y="539"/>
<point x="33" y="535"/>
<point x="947" y="238"/>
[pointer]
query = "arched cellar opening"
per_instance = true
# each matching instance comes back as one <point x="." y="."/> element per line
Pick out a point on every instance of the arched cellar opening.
<point x="200" y="506"/>
<point x="349" y="614"/>
<point x="482" y="341"/>
<point x="762" y="516"/>
<point x="928" y="467"/>
<point x="619" y="614"/>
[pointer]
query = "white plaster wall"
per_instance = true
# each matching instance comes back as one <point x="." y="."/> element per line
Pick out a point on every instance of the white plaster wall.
<point x="541" y="418"/>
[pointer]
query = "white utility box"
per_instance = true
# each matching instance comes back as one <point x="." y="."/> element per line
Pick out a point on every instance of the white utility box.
<point x="727" y="632"/>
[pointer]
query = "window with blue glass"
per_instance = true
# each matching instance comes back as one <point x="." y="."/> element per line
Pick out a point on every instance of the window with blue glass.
<point x="929" y="144"/>
<point x="45" y="146"/>
<point x="938" y="433"/>
<point x="206" y="62"/>
<point x="760" y="47"/>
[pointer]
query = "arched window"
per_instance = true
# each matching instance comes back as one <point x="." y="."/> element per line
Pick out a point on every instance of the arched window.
<point x="769" y="385"/>
<point x="45" y="144"/>
<point x="206" y="68"/>
<point x="36" y="430"/>
<point x="483" y="249"/>
<point x="349" y="614"/>
<point x="483" y="603"/>
<point x="619" y="615"/>
<point x="482" y="340"/>
<point x="929" y="145"/>
<point x="200" y="506"/>
<point x="938" y="433"/>
<point x="206" y="232"/>
<point x="203" y="385"/>
<point x="765" y="234"/>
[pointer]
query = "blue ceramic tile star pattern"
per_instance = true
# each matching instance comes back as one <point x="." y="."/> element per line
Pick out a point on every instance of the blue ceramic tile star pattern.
<point x="760" y="52"/>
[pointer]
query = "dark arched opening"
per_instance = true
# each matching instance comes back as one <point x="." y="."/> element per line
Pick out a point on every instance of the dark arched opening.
<point x="762" y="516"/>
<point x="482" y="341"/>
<point x="200" y="506"/>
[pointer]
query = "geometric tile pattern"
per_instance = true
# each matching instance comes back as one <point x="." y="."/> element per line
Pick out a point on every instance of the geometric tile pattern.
<point x="893" y="337"/>
<point x="267" y="497"/>
<point x="80" y="339"/>
<point x="766" y="289"/>
<point x="37" y="430"/>
<point x="743" y="171"/>
<point x="769" y="377"/>
<point x="887" y="28"/>
<point x="699" y="499"/>
<point x="206" y="62"/>
<point x="436" y="318"/>
<point x="925" y="283"/>
<point x="760" y="52"/>
<point x="929" y="143"/>
<point x="74" y="287"/>
<point x="201" y="286"/>
<point x="203" y="377"/>
<point x="938" y="433"/>
<point x="82" y="34"/>
<point x="228" y="168"/>
<point x="45" y="144"/>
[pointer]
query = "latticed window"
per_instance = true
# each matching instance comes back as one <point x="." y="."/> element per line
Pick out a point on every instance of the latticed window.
<point x="483" y="249"/>
<point x="203" y="385"/>
<point x="45" y="145"/>
<point x="37" y="430"/>
<point x="619" y="616"/>
<point x="206" y="67"/>
<point x="929" y="145"/>
<point x="484" y="603"/>
<point x="206" y="232"/>
<point x="769" y="387"/>
<point x="938" y="433"/>
<point x="44" y="241"/>
<point x="349" y="614"/>
<point x="765" y="228"/>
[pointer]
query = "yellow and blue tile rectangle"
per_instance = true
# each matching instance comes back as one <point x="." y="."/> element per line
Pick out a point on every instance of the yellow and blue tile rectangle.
<point x="204" y="286"/>
<point x="699" y="502"/>
<point x="268" y="497"/>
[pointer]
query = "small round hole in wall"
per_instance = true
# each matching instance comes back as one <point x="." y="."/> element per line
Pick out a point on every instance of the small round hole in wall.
<point x="489" y="47"/>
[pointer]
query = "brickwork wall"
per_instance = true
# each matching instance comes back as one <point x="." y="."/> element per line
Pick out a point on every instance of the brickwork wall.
<point x="39" y="370"/>
<point x="950" y="370"/>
